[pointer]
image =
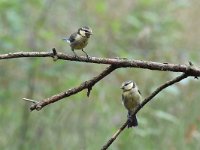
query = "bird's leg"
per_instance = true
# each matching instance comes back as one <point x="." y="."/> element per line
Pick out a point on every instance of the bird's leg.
<point x="129" y="116"/>
<point x="74" y="53"/>
<point x="132" y="120"/>
<point x="129" y="119"/>
<point x="85" y="54"/>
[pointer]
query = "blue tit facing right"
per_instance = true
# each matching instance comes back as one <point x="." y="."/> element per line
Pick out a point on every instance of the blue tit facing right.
<point x="131" y="98"/>
<point x="79" y="39"/>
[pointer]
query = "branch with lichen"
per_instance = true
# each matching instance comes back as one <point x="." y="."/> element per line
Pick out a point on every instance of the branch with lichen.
<point x="119" y="62"/>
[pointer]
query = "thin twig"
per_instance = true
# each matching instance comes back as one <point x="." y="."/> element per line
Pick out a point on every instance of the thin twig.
<point x="30" y="100"/>
<point x="194" y="71"/>
<point x="55" y="57"/>
<point x="146" y="100"/>
<point x="85" y="85"/>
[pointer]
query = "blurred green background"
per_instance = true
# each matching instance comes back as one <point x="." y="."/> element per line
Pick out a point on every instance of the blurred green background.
<point x="154" y="30"/>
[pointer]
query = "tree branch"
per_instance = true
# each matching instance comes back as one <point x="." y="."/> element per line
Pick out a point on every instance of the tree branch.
<point x="187" y="70"/>
<point x="85" y="85"/>
<point x="146" y="100"/>
<point x="119" y="62"/>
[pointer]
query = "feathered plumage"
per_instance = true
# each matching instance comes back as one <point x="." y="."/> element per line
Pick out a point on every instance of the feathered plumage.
<point x="131" y="98"/>
<point x="79" y="39"/>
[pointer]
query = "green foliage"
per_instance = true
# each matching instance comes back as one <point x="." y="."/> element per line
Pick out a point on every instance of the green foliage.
<point x="101" y="7"/>
<point x="147" y="30"/>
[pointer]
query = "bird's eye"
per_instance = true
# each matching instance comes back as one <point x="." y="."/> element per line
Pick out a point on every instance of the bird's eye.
<point x="126" y="84"/>
<point x="86" y="31"/>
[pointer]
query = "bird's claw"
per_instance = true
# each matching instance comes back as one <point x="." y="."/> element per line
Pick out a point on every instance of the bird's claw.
<point x="87" y="56"/>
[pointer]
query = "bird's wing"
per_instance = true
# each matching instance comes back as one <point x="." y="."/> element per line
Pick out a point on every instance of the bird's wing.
<point x="122" y="99"/>
<point x="72" y="37"/>
<point x="139" y="92"/>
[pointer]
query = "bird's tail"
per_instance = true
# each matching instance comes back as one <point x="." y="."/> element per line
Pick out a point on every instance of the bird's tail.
<point x="66" y="39"/>
<point x="132" y="120"/>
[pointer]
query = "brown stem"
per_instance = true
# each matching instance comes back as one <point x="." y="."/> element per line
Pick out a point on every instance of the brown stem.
<point x="119" y="62"/>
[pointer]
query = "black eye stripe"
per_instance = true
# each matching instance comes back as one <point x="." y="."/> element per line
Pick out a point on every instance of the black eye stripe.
<point x="127" y="84"/>
<point x="86" y="30"/>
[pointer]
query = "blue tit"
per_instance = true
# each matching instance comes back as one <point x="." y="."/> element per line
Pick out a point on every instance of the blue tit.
<point x="79" y="39"/>
<point x="131" y="98"/>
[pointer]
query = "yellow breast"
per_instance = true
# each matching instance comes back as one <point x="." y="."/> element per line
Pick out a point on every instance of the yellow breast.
<point x="80" y="42"/>
<point x="131" y="100"/>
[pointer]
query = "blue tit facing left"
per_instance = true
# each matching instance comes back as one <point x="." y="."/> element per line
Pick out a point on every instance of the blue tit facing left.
<point x="79" y="39"/>
<point x="131" y="98"/>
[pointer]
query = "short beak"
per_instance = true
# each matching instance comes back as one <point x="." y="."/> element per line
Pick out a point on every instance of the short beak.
<point x="122" y="87"/>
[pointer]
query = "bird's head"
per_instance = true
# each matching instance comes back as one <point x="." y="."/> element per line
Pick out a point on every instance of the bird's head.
<point x="85" y="31"/>
<point x="128" y="85"/>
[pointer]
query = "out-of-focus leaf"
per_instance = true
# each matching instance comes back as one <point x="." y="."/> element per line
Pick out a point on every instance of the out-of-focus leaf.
<point x="116" y="25"/>
<point x="173" y="90"/>
<point x="4" y="4"/>
<point x="147" y="132"/>
<point x="146" y="3"/>
<point x="151" y="17"/>
<point x="165" y="116"/>
<point x="134" y="21"/>
<point x="36" y="3"/>
<point x="15" y="21"/>
<point x="46" y="34"/>
<point x="101" y="6"/>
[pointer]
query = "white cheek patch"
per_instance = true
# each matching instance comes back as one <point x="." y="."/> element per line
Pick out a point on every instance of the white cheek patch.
<point x="129" y="86"/>
<point x="82" y="33"/>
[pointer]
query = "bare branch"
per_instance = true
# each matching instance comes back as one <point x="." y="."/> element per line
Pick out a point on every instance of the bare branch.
<point x="115" y="63"/>
<point x="146" y="100"/>
<point x="193" y="71"/>
<point x="85" y="85"/>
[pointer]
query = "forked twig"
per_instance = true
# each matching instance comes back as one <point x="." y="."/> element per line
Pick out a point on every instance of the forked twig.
<point x="85" y="85"/>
